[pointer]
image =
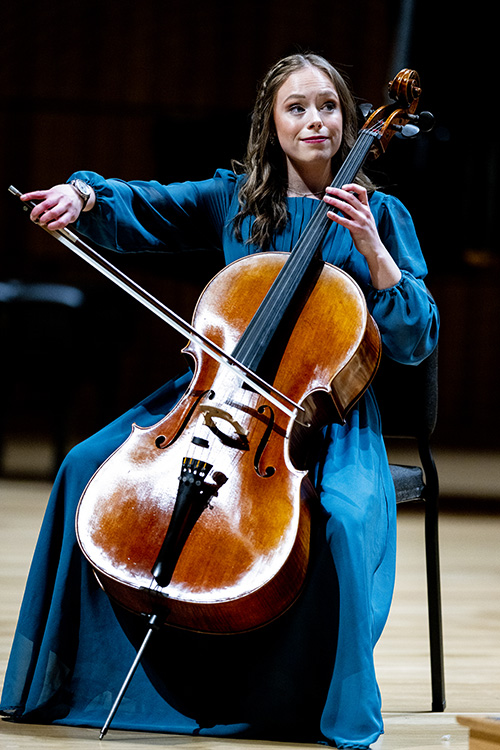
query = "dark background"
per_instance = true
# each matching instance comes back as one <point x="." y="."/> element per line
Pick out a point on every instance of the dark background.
<point x="162" y="89"/>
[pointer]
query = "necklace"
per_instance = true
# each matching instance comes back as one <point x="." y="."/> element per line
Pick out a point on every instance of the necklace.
<point x="306" y="195"/>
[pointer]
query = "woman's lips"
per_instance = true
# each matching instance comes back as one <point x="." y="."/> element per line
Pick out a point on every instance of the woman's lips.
<point x="315" y="139"/>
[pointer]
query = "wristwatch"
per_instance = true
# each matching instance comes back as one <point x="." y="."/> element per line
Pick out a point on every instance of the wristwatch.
<point x="83" y="189"/>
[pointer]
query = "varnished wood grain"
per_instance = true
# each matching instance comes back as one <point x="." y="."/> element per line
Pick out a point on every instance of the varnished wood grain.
<point x="471" y="576"/>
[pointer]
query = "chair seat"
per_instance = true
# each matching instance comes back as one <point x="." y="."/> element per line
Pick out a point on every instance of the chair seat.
<point x="408" y="481"/>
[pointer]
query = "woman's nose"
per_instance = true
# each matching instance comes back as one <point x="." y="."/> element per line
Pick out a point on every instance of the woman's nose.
<point x="315" y="120"/>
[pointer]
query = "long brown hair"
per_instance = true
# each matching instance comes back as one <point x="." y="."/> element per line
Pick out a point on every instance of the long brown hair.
<point x="263" y="193"/>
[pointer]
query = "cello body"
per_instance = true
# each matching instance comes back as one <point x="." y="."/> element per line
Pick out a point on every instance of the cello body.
<point x="233" y="461"/>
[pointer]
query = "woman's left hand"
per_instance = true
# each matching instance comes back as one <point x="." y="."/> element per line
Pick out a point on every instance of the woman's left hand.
<point x="356" y="216"/>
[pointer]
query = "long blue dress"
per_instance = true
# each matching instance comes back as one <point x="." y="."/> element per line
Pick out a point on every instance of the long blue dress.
<point x="309" y="676"/>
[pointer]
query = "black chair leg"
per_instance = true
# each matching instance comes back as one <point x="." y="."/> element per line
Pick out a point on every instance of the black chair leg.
<point x="434" y="605"/>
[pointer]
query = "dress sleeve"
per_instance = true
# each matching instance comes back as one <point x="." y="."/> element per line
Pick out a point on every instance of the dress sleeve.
<point x="405" y="313"/>
<point x="141" y="216"/>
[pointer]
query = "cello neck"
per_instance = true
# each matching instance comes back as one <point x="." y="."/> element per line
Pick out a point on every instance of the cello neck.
<point x="299" y="273"/>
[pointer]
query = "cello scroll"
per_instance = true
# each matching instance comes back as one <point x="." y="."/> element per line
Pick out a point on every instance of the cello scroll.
<point x="399" y="117"/>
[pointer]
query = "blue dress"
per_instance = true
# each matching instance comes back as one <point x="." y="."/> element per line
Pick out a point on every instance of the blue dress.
<point x="309" y="676"/>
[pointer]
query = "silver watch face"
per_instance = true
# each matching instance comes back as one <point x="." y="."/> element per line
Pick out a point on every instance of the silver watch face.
<point x="82" y="187"/>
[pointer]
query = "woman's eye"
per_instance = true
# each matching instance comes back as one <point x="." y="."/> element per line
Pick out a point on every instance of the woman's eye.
<point x="330" y="106"/>
<point x="296" y="108"/>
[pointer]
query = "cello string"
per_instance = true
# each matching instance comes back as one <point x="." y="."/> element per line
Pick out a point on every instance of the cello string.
<point x="261" y="328"/>
<point x="216" y="447"/>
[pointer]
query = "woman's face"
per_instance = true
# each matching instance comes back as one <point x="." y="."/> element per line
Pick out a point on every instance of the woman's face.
<point x="308" y="119"/>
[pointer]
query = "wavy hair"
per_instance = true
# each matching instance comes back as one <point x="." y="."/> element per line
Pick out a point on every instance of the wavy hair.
<point x="263" y="193"/>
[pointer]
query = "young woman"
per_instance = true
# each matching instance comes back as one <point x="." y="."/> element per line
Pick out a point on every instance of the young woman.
<point x="308" y="676"/>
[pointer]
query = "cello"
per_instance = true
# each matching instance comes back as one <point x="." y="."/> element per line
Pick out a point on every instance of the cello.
<point x="203" y="520"/>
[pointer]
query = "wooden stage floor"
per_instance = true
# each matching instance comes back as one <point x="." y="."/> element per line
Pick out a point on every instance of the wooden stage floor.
<point x="470" y="558"/>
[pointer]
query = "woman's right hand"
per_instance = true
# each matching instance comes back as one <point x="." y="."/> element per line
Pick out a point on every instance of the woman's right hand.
<point x="57" y="207"/>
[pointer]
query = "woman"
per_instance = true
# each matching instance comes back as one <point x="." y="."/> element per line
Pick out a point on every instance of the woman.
<point x="310" y="675"/>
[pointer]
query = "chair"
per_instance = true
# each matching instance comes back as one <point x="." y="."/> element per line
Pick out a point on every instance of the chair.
<point x="57" y="339"/>
<point x="407" y="397"/>
<point x="39" y="327"/>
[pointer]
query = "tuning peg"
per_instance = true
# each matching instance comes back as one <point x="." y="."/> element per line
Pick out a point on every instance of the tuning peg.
<point x="366" y="109"/>
<point x="421" y="123"/>
<point x="407" y="131"/>
<point x="425" y="121"/>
